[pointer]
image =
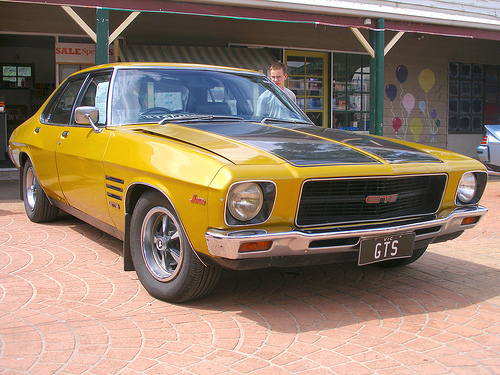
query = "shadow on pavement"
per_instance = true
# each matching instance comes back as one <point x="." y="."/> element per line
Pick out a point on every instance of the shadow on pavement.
<point x="306" y="299"/>
<point x="338" y="295"/>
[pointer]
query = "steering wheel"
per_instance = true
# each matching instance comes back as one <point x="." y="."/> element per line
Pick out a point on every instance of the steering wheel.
<point x="155" y="111"/>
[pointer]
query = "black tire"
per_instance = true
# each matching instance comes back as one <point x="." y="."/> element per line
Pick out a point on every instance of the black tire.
<point x="36" y="204"/>
<point x="166" y="264"/>
<point x="417" y="253"/>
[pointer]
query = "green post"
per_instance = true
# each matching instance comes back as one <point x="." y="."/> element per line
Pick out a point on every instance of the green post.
<point x="377" y="79"/>
<point x="102" y="35"/>
<point x="373" y="85"/>
<point x="379" y="58"/>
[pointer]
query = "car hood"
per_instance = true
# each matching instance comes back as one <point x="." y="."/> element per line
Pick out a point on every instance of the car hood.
<point x="299" y="145"/>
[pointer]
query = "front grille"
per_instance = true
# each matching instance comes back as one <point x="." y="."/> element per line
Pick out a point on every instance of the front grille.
<point x="343" y="201"/>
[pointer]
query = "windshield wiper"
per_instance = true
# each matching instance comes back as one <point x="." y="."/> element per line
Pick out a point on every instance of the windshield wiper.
<point x="267" y="120"/>
<point x="198" y="118"/>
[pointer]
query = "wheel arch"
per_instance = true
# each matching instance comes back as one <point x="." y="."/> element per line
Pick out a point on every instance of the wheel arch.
<point x="132" y="195"/>
<point x="23" y="158"/>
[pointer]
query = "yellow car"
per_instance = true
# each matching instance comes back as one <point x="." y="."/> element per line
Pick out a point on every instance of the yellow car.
<point x="199" y="168"/>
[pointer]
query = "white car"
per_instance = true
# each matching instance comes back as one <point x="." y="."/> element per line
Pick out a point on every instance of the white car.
<point x="489" y="150"/>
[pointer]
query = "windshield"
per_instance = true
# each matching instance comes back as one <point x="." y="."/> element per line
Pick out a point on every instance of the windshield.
<point x="152" y="95"/>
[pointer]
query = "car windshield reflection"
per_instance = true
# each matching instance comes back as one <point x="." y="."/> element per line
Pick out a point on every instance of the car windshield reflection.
<point x="183" y="95"/>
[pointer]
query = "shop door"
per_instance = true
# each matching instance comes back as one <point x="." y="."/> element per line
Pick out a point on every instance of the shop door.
<point x="308" y="79"/>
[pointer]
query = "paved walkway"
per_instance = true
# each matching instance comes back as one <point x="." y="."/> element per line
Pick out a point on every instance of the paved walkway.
<point x="66" y="307"/>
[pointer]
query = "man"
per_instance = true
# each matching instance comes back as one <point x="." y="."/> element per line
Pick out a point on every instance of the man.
<point x="278" y="76"/>
<point x="268" y="104"/>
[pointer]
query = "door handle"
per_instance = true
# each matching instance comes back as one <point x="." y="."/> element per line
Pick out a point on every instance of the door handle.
<point x="65" y="134"/>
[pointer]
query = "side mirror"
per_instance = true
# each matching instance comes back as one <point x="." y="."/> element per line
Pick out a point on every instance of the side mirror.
<point x="88" y="116"/>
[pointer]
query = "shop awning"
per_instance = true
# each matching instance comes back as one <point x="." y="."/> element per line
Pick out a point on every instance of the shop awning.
<point x="259" y="59"/>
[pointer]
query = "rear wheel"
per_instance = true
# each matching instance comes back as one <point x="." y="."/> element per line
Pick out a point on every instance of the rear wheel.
<point x="163" y="258"/>
<point x="36" y="204"/>
<point x="417" y="253"/>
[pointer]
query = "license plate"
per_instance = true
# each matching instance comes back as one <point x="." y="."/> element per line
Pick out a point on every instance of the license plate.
<point x="375" y="250"/>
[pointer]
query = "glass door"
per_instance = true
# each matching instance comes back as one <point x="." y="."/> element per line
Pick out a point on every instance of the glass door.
<point x="308" y="79"/>
<point x="351" y="91"/>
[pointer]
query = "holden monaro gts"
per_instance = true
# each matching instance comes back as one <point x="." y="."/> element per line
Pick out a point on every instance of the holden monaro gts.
<point x="199" y="168"/>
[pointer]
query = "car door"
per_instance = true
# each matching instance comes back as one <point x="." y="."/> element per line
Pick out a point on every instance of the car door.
<point x="80" y="150"/>
<point x="44" y="139"/>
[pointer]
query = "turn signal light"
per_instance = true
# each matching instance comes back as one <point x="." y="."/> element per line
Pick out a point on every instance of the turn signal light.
<point x="470" y="220"/>
<point x="255" y="246"/>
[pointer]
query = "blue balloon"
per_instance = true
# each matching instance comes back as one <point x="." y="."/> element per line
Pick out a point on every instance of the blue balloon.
<point x="401" y="73"/>
<point x="391" y="91"/>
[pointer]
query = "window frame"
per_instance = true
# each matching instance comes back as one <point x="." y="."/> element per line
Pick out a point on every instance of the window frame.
<point x="84" y="89"/>
<point x="49" y="110"/>
<point x="463" y="88"/>
<point x="30" y="83"/>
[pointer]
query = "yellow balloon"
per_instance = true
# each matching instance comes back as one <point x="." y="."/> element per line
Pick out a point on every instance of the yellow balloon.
<point x="426" y="79"/>
<point x="416" y="128"/>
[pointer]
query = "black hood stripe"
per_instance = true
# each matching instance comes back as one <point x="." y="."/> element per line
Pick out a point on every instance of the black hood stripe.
<point x="386" y="149"/>
<point x="303" y="145"/>
<point x="294" y="147"/>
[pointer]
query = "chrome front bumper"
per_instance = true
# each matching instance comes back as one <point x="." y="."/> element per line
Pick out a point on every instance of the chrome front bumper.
<point x="226" y="244"/>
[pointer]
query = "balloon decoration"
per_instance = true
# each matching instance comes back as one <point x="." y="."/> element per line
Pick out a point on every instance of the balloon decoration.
<point x="421" y="105"/>
<point x="391" y="91"/>
<point x="396" y="124"/>
<point x="416" y="128"/>
<point x="401" y="73"/>
<point x="409" y="102"/>
<point x="426" y="79"/>
<point x="403" y="122"/>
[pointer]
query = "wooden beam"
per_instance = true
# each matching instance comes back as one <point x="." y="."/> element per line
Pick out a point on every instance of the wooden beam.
<point x="132" y="16"/>
<point x="80" y="22"/>
<point x="393" y="41"/>
<point x="363" y="41"/>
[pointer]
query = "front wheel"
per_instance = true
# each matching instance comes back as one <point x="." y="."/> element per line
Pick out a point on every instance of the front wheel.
<point x="417" y="253"/>
<point x="163" y="258"/>
<point x="36" y="204"/>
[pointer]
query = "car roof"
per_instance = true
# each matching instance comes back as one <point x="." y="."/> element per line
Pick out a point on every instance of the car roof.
<point x="145" y="65"/>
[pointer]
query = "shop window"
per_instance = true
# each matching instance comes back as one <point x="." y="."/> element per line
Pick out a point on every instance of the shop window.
<point x="308" y="79"/>
<point x="351" y="91"/>
<point x="17" y="76"/>
<point x="474" y="97"/>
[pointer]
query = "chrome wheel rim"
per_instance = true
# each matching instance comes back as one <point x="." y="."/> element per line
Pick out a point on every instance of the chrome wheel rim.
<point x="30" y="188"/>
<point x="161" y="244"/>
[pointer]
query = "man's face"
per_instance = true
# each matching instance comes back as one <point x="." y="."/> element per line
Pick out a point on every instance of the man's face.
<point x="278" y="77"/>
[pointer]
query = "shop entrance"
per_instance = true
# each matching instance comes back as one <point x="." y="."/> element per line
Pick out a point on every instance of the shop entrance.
<point x="308" y="79"/>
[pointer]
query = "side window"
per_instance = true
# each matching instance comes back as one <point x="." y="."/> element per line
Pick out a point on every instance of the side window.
<point x="60" y="112"/>
<point x="96" y="95"/>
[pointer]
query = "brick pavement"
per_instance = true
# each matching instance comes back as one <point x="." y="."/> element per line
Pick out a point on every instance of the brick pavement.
<point x="66" y="307"/>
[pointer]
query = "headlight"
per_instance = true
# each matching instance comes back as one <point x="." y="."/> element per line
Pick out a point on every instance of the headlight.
<point x="245" y="200"/>
<point x="467" y="188"/>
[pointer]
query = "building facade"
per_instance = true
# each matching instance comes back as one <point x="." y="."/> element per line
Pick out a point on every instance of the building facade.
<point x="440" y="67"/>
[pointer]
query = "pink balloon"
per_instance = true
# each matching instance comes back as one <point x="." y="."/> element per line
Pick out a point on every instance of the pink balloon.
<point x="409" y="102"/>
<point x="396" y="123"/>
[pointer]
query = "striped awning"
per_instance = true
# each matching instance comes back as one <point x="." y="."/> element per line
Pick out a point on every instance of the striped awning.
<point x="259" y="59"/>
